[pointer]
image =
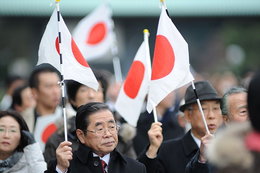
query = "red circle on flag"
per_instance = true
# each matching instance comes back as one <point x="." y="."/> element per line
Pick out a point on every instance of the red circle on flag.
<point x="97" y="33"/>
<point x="134" y="79"/>
<point x="57" y="45"/>
<point x="77" y="54"/>
<point x="164" y="58"/>
<point x="48" y="131"/>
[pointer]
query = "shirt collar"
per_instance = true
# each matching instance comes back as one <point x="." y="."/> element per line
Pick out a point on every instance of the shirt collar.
<point x="105" y="158"/>
<point x="197" y="140"/>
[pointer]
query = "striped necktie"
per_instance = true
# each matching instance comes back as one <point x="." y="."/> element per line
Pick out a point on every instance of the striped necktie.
<point x="104" y="165"/>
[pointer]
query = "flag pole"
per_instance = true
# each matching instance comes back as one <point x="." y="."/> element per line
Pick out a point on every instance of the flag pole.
<point x="61" y="70"/>
<point x="193" y="86"/>
<point x="200" y="108"/>
<point x="165" y="7"/>
<point x="116" y="65"/>
<point x="116" y="60"/>
<point x="163" y="3"/>
<point x="147" y="54"/>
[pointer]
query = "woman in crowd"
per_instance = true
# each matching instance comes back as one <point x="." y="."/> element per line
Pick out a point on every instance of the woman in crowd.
<point x="18" y="151"/>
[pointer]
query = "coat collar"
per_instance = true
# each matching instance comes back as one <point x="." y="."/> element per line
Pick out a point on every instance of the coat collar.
<point x="189" y="144"/>
<point x="84" y="153"/>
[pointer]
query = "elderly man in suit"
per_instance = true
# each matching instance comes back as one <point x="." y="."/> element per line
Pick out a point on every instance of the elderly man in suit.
<point x="96" y="130"/>
<point x="172" y="156"/>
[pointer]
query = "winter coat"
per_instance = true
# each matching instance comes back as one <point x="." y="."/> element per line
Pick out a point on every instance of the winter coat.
<point x="83" y="161"/>
<point x="125" y="136"/>
<point x="171" y="128"/>
<point x="32" y="161"/>
<point x="173" y="156"/>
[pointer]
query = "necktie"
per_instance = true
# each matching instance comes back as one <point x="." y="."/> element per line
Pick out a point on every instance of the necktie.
<point x="104" y="165"/>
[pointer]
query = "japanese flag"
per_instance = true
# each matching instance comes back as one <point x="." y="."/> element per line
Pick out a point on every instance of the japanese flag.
<point x="132" y="94"/>
<point x="170" y="69"/>
<point x="94" y="33"/>
<point x="45" y="126"/>
<point x="75" y="66"/>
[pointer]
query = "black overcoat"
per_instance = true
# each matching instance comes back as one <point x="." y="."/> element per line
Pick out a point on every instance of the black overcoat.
<point x="83" y="161"/>
<point x="173" y="156"/>
<point x="171" y="128"/>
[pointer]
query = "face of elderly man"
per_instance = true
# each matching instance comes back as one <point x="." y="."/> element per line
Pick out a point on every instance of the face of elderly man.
<point x="212" y="114"/>
<point x="237" y="107"/>
<point x="101" y="133"/>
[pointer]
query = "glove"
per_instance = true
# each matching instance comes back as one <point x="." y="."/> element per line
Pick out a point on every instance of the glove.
<point x="28" y="137"/>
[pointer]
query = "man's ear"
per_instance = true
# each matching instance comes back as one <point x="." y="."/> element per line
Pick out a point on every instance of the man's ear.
<point x="187" y="115"/>
<point x="80" y="135"/>
<point x="34" y="93"/>
<point x="226" y="119"/>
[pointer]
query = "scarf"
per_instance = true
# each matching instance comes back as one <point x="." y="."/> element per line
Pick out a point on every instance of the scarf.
<point x="10" y="161"/>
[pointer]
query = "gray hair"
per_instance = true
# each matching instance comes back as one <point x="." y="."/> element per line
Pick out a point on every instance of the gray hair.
<point x="233" y="90"/>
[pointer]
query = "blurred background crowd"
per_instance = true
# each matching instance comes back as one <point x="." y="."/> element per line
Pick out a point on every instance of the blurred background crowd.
<point x="223" y="39"/>
<point x="222" y="36"/>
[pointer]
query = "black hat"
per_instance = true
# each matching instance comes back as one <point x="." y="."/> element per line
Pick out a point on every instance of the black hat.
<point x="253" y="101"/>
<point x="204" y="90"/>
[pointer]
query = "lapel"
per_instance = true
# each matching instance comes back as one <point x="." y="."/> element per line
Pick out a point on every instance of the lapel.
<point x="84" y="153"/>
<point x="117" y="162"/>
<point x="84" y="161"/>
<point x="189" y="144"/>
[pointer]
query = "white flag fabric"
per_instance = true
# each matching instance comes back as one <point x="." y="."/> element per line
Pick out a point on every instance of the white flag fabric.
<point x="132" y="94"/>
<point x="94" y="33"/>
<point x="170" y="69"/>
<point x="75" y="66"/>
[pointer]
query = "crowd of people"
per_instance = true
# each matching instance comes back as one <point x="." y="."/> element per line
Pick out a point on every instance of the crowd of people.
<point x="32" y="137"/>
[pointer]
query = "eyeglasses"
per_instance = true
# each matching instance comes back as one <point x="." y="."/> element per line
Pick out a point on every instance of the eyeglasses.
<point x="4" y="130"/>
<point x="101" y="130"/>
<point x="207" y="110"/>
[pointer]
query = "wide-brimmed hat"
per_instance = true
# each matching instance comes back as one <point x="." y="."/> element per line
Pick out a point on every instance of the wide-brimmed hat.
<point x="205" y="91"/>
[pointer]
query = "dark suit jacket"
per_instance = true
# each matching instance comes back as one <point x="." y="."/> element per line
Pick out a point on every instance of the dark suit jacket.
<point x="194" y="166"/>
<point x="171" y="128"/>
<point x="173" y="156"/>
<point x="83" y="161"/>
